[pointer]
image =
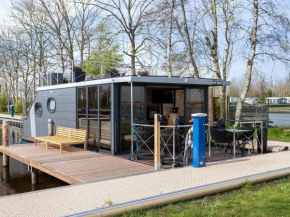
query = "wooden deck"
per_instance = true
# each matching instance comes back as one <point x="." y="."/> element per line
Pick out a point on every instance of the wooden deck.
<point x="74" y="165"/>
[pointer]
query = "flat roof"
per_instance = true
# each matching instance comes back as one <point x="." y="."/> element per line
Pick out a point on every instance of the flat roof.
<point x="142" y="79"/>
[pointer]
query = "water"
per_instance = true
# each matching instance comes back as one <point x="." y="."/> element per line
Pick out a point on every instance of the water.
<point x="16" y="179"/>
<point x="279" y="119"/>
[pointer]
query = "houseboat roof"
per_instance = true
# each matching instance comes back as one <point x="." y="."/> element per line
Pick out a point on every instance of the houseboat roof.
<point x="142" y="79"/>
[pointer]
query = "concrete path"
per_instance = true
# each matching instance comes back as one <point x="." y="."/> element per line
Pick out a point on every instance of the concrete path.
<point x="276" y="146"/>
<point x="96" y="195"/>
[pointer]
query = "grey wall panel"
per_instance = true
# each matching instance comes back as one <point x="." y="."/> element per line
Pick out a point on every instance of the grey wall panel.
<point x="64" y="115"/>
<point x="26" y="127"/>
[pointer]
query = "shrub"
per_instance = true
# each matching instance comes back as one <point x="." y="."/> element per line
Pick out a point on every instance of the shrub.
<point x="18" y="106"/>
<point x="3" y="103"/>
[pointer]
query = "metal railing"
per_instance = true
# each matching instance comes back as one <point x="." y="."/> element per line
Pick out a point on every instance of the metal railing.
<point x="169" y="139"/>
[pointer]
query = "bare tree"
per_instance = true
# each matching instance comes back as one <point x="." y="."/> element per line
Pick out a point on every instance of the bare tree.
<point x="130" y="16"/>
<point x="269" y="38"/>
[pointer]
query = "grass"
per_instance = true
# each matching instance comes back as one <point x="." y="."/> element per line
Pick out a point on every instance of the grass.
<point x="278" y="134"/>
<point x="264" y="199"/>
<point x="277" y="109"/>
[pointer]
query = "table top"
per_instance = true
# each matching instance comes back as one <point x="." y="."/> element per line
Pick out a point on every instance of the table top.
<point x="238" y="130"/>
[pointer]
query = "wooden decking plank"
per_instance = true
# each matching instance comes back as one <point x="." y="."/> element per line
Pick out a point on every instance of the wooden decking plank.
<point x="74" y="165"/>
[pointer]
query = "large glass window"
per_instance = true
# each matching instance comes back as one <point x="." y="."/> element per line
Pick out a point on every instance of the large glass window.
<point x="105" y="117"/>
<point x="93" y="116"/>
<point x="194" y="102"/>
<point x="82" y="108"/>
<point x="138" y="112"/>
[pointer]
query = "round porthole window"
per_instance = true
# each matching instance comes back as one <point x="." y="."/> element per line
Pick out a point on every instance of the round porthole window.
<point x="38" y="109"/>
<point x="51" y="105"/>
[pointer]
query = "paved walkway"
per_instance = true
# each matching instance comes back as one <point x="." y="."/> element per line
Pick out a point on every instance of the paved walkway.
<point x="95" y="195"/>
<point x="276" y="146"/>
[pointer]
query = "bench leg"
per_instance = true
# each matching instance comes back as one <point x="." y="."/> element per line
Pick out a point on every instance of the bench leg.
<point x="60" y="148"/>
<point x="35" y="142"/>
<point x="85" y="146"/>
<point x="46" y="145"/>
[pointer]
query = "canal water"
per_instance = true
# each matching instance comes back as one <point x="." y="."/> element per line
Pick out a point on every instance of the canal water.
<point x="279" y="119"/>
<point x="16" y="179"/>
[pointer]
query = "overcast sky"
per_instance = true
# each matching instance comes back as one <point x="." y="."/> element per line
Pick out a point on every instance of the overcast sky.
<point x="4" y="6"/>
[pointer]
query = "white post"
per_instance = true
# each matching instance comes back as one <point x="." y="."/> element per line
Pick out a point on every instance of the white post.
<point x="132" y="143"/>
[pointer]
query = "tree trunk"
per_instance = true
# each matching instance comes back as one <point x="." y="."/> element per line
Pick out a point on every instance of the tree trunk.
<point x="250" y="61"/>
<point x="223" y="102"/>
<point x="188" y="42"/>
<point x="169" y="41"/>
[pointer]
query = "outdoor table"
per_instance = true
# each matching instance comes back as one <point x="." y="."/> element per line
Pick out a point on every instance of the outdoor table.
<point x="235" y="131"/>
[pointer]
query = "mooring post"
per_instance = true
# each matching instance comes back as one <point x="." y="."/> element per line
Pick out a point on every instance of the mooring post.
<point x="5" y="139"/>
<point x="157" y="162"/>
<point x="6" y="174"/>
<point x="50" y="127"/>
<point x="34" y="176"/>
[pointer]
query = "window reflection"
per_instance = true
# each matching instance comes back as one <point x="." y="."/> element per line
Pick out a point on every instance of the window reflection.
<point x="82" y="111"/>
<point x="194" y="101"/>
<point x="105" y="117"/>
<point x="138" y="112"/>
<point x="93" y="116"/>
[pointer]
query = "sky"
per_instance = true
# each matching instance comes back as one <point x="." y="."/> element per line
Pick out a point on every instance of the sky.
<point x="238" y="69"/>
<point x="4" y="7"/>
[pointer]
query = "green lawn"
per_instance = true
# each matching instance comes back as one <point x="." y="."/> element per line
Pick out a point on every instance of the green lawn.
<point x="278" y="134"/>
<point x="273" y="109"/>
<point x="265" y="199"/>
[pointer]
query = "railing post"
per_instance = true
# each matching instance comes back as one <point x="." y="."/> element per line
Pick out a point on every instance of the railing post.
<point x="5" y="139"/>
<point x="173" y="136"/>
<point x="234" y="140"/>
<point x="157" y="162"/>
<point x="262" y="137"/>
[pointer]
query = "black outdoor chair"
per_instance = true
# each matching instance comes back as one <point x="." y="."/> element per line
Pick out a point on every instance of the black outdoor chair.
<point x="246" y="138"/>
<point x="222" y="137"/>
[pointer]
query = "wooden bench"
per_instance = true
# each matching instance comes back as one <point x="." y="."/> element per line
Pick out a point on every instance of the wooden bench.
<point x="65" y="136"/>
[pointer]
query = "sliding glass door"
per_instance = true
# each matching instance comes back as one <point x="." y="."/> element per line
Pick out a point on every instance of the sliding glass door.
<point x="125" y="113"/>
<point x="94" y="115"/>
<point x="93" y="111"/>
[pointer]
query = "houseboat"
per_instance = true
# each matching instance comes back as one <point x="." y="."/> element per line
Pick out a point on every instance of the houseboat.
<point x="104" y="107"/>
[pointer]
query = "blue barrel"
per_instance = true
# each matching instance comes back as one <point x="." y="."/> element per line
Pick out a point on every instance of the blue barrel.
<point x="198" y="158"/>
<point x="12" y="110"/>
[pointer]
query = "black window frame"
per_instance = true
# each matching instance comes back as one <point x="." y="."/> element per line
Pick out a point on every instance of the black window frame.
<point x="51" y="111"/>
<point x="37" y="114"/>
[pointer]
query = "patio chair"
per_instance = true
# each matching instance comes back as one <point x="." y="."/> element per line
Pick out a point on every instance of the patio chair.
<point x="222" y="137"/>
<point x="246" y="137"/>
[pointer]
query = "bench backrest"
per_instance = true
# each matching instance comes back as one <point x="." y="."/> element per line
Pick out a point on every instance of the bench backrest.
<point x="63" y="132"/>
<point x="78" y="134"/>
<point x="72" y="133"/>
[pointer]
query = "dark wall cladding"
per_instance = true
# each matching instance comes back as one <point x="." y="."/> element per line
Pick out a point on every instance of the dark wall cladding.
<point x="64" y="115"/>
